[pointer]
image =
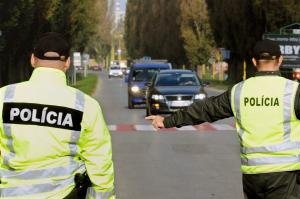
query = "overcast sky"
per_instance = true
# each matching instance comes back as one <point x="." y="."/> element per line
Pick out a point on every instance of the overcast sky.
<point x="123" y="4"/>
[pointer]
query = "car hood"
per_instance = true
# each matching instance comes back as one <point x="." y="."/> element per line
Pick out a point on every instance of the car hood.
<point x="113" y="71"/>
<point x="172" y="90"/>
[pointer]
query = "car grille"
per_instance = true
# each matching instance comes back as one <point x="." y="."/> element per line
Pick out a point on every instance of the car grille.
<point x="179" y="97"/>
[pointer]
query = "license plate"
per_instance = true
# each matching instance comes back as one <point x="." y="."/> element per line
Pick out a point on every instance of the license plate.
<point x="180" y="103"/>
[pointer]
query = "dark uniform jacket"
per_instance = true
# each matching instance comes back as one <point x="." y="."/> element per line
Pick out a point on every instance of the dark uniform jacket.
<point x="213" y="109"/>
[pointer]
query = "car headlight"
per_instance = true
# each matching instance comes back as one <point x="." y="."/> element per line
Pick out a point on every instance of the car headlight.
<point x="135" y="89"/>
<point x="157" y="97"/>
<point x="200" y="96"/>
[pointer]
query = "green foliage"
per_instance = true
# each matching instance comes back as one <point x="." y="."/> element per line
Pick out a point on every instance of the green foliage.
<point x="88" y="84"/>
<point x="196" y="31"/>
<point x="237" y="25"/>
<point x="175" y="30"/>
<point x="152" y="28"/>
<point x="185" y="31"/>
<point x="220" y="85"/>
<point x="86" y="24"/>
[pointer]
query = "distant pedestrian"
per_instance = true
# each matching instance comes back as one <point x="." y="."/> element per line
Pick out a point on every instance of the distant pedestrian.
<point x="267" y="114"/>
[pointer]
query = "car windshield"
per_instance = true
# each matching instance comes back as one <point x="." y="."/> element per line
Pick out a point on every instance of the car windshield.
<point x="115" y="68"/>
<point x="177" y="79"/>
<point x="140" y="75"/>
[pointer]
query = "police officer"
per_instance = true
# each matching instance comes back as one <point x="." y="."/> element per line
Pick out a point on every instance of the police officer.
<point x="267" y="111"/>
<point x="50" y="132"/>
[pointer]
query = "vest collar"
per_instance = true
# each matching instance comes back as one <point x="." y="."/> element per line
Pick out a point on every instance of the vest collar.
<point x="48" y="76"/>
<point x="268" y="73"/>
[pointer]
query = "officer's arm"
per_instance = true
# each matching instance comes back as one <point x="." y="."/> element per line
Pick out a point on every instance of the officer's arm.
<point x="209" y="110"/>
<point x="97" y="154"/>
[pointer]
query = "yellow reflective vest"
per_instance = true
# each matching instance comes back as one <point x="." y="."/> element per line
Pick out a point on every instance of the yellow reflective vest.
<point x="267" y="126"/>
<point x="48" y="133"/>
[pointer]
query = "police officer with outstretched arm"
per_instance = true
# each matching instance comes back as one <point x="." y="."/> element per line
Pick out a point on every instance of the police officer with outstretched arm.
<point x="54" y="141"/>
<point x="266" y="109"/>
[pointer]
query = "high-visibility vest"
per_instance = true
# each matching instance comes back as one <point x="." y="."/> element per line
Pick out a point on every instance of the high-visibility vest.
<point x="48" y="133"/>
<point x="267" y="126"/>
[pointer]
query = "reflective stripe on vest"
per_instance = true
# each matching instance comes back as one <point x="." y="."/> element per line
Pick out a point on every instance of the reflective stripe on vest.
<point x="91" y="193"/>
<point x="36" y="188"/>
<point x="79" y="105"/>
<point x="287" y="143"/>
<point x="237" y="100"/>
<point x="44" y="173"/>
<point x="8" y="97"/>
<point x="270" y="160"/>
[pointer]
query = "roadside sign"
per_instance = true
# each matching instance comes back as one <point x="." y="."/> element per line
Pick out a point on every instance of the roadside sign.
<point x="85" y="59"/>
<point x="76" y="59"/>
<point x="225" y="53"/>
<point x="296" y="31"/>
<point x="290" y="48"/>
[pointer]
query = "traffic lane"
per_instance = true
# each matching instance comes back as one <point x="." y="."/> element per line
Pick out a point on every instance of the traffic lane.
<point x="177" y="165"/>
<point x="112" y="95"/>
<point x="166" y="165"/>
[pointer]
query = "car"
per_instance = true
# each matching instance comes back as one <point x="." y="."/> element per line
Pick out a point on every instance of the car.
<point x="171" y="90"/>
<point x="96" y="68"/>
<point x="127" y="71"/>
<point x="79" y="68"/>
<point x="115" y="71"/>
<point x="139" y="75"/>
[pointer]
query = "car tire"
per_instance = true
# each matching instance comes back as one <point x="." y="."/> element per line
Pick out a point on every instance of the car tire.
<point x="130" y="103"/>
<point x="149" y="111"/>
<point x="109" y="76"/>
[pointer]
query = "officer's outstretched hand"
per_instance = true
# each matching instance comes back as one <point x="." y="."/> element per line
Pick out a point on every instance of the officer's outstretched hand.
<point x="157" y="121"/>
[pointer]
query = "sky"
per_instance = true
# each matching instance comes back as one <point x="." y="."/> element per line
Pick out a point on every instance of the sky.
<point x="123" y="4"/>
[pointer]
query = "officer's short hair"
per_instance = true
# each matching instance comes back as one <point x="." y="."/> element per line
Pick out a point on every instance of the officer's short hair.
<point x="52" y="42"/>
<point x="266" y="50"/>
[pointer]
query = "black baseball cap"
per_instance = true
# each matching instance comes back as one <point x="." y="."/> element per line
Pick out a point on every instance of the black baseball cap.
<point x="52" y="42"/>
<point x="266" y="50"/>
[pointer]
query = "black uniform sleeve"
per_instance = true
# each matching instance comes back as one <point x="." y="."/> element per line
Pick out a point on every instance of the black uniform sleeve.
<point x="209" y="110"/>
<point x="297" y="103"/>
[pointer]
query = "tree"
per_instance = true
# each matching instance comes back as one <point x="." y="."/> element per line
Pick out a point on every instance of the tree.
<point x="196" y="31"/>
<point x="175" y="30"/>
<point x="84" y="23"/>
<point x="237" y="25"/>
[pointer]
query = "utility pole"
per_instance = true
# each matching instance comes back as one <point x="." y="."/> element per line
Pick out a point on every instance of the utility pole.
<point x="120" y="48"/>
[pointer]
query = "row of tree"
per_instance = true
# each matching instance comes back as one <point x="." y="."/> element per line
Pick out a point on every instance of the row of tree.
<point x="185" y="32"/>
<point x="86" y="25"/>
<point x="175" y="30"/>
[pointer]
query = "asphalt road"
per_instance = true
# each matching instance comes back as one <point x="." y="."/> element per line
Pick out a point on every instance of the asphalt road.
<point x="176" y="164"/>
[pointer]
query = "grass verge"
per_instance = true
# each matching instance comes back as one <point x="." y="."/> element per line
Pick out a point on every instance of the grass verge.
<point x="88" y="84"/>
<point x="222" y="85"/>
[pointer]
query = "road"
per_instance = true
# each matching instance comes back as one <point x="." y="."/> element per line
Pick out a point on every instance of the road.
<point x="190" y="163"/>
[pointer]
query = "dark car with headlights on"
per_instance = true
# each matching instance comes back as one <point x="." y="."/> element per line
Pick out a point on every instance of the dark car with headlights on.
<point x="171" y="90"/>
<point x="140" y="74"/>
